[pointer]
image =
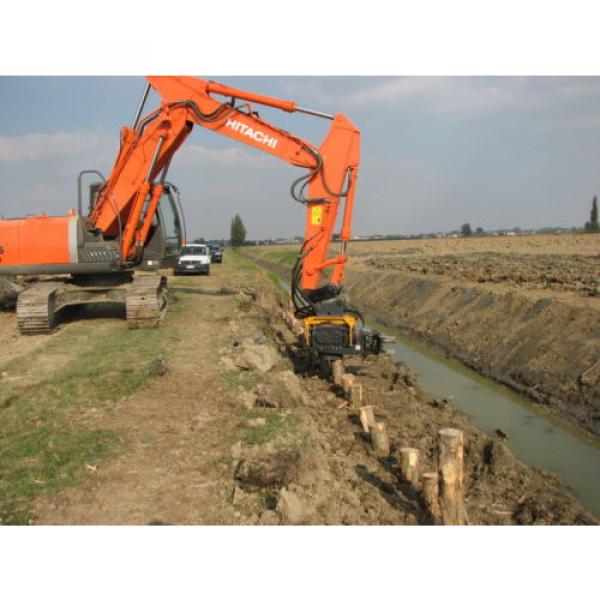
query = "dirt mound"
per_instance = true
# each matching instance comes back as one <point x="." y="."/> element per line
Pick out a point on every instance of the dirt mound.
<point x="269" y="470"/>
<point x="543" y="347"/>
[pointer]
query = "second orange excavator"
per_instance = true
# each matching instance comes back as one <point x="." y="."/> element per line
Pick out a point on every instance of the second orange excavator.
<point x="135" y="219"/>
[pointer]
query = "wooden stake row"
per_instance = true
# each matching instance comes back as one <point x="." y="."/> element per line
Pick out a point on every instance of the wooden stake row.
<point x="351" y="389"/>
<point x="442" y="491"/>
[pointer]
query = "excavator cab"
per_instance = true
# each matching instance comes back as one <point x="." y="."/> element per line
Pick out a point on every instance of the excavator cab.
<point x="167" y="233"/>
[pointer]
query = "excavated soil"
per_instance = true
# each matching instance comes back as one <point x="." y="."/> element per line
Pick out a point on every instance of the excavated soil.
<point x="238" y="428"/>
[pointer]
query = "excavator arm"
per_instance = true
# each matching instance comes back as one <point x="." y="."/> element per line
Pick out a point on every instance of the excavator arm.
<point x="119" y="231"/>
<point x="131" y="195"/>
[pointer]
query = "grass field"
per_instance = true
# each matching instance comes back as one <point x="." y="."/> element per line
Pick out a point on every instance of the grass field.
<point x="47" y="396"/>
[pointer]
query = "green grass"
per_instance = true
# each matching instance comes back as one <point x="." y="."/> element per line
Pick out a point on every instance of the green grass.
<point x="242" y="261"/>
<point x="281" y="395"/>
<point x="45" y="443"/>
<point x="237" y="379"/>
<point x="284" y="257"/>
<point x="275" y="280"/>
<point x="277" y="423"/>
<point x="244" y="305"/>
<point x="246" y="263"/>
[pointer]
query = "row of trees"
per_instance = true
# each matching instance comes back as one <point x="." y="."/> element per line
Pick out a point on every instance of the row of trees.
<point x="237" y="234"/>
<point x="591" y="226"/>
<point x="468" y="232"/>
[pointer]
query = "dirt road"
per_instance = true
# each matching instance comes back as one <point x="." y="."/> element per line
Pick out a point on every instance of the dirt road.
<point x="216" y="419"/>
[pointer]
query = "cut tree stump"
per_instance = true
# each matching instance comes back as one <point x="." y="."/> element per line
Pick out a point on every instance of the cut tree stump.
<point x="347" y="383"/>
<point x="380" y="439"/>
<point x="429" y="483"/>
<point x="450" y="473"/>
<point x="409" y="465"/>
<point x="337" y="371"/>
<point x="367" y="418"/>
<point x="356" y="395"/>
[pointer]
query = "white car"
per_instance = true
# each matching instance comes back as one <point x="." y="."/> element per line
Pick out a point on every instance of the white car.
<point x="194" y="258"/>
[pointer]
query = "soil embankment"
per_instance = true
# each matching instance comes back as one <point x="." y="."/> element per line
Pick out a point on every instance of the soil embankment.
<point x="215" y="418"/>
<point x="523" y="312"/>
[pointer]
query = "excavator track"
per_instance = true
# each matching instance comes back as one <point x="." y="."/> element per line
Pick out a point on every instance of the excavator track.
<point x="36" y="307"/>
<point x="146" y="302"/>
<point x="145" y="298"/>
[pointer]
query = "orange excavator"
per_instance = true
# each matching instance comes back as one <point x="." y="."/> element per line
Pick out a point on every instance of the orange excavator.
<point x="135" y="224"/>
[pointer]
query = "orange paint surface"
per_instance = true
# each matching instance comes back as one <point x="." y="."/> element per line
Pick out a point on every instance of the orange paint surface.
<point x="34" y="241"/>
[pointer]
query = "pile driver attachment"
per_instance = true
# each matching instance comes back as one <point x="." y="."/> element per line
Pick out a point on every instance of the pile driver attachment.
<point x="332" y="327"/>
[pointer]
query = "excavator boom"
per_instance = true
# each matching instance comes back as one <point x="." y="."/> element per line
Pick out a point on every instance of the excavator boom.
<point x="147" y="150"/>
<point x="121" y="230"/>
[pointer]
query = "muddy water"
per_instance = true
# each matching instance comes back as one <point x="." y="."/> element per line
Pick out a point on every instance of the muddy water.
<point x="535" y="437"/>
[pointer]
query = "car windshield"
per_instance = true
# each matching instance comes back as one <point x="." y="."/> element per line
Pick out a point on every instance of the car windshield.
<point x="187" y="250"/>
<point x="215" y="248"/>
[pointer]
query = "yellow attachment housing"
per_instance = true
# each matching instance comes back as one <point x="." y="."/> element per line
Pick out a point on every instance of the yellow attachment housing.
<point x="348" y="319"/>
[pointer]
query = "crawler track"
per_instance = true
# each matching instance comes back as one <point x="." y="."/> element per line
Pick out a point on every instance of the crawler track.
<point x="145" y="299"/>
<point x="36" y="307"/>
<point x="146" y="302"/>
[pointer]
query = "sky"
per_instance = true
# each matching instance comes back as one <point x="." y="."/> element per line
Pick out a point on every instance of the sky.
<point x="436" y="152"/>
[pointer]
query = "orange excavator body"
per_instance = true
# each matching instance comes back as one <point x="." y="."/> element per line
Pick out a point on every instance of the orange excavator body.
<point x="20" y="240"/>
<point x="129" y="198"/>
<point x="115" y="235"/>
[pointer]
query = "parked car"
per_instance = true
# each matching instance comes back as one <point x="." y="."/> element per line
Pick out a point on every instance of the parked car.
<point x="194" y="258"/>
<point x="216" y="254"/>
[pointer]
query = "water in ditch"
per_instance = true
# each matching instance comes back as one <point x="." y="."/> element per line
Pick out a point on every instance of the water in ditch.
<point x="535" y="437"/>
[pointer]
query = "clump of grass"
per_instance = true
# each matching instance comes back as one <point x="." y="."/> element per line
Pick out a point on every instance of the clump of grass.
<point x="274" y="279"/>
<point x="244" y="305"/>
<point x="284" y="257"/>
<point x="241" y="261"/>
<point x="281" y="396"/>
<point x="276" y="424"/>
<point x="245" y="380"/>
<point x="44" y="459"/>
<point x="176" y="302"/>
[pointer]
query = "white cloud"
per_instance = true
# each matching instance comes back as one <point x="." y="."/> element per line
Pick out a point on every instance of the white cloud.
<point x="396" y="89"/>
<point x="437" y="94"/>
<point x="68" y="149"/>
<point x="452" y="96"/>
<point x="197" y="155"/>
<point x="38" y="146"/>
